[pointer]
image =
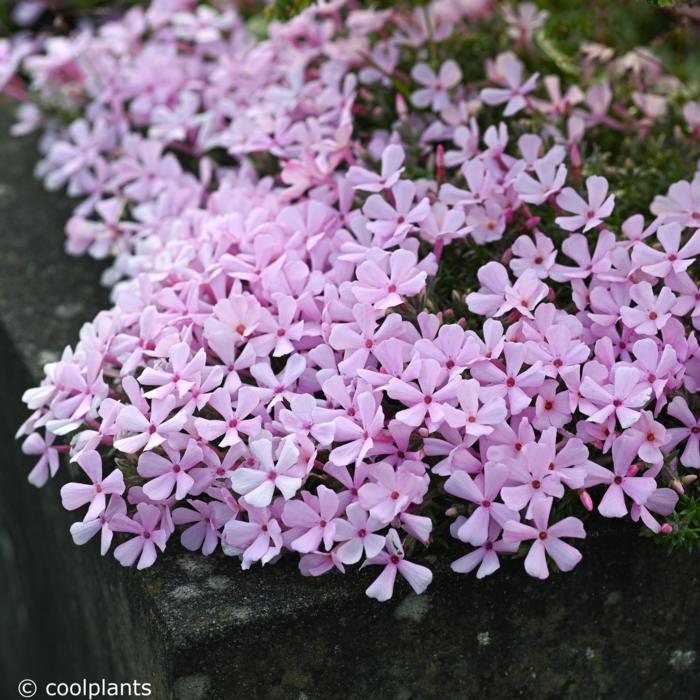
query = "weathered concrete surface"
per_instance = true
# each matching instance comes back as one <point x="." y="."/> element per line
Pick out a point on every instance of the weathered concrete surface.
<point x="623" y="625"/>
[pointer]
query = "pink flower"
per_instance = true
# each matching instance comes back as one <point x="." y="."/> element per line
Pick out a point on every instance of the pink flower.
<point x="314" y="520"/>
<point x="234" y="423"/>
<point x="621" y="399"/>
<point x="483" y="492"/>
<point x="673" y="258"/>
<point x="485" y="556"/>
<point x="150" y="431"/>
<point x="357" y="532"/>
<point x="510" y="73"/>
<point x="510" y="382"/>
<point x="392" y="159"/>
<point x="419" y="577"/>
<point x="649" y="436"/>
<point x="651" y="313"/>
<point x="75" y="495"/>
<point x="48" y="462"/>
<point x="588" y="214"/>
<point x="690" y="457"/>
<point x="148" y="536"/>
<point x="426" y="399"/>
<point x="534" y="480"/>
<point x="84" y="531"/>
<point x="546" y="540"/>
<point x="385" y="286"/>
<point x="170" y="472"/>
<point x="392" y="223"/>
<point x="362" y="337"/>
<point x="436" y="86"/>
<point x="390" y="492"/>
<point x="621" y="481"/>
<point x="205" y="518"/>
<point x="257" y="539"/>
<point x="258" y="485"/>
<point x="358" y="434"/>
<point x="184" y="373"/>
<point x="477" y="420"/>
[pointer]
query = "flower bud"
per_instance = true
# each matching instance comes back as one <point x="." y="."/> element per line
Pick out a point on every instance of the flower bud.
<point x="586" y="500"/>
<point x="666" y="529"/>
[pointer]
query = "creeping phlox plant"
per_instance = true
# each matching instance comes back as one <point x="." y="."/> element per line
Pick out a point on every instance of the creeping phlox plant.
<point x="369" y="290"/>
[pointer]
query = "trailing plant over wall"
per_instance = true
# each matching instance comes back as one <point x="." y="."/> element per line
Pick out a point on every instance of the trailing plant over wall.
<point x="382" y="279"/>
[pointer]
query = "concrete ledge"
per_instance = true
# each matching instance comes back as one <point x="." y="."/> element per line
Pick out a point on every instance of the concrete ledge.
<point x="623" y="625"/>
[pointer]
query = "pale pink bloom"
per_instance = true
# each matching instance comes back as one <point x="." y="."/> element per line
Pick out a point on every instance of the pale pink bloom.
<point x="393" y="222"/>
<point x="169" y="472"/>
<point x="386" y="285"/>
<point x="148" y="535"/>
<point x="621" y="399"/>
<point x="661" y="501"/>
<point x="452" y="348"/>
<point x="551" y="176"/>
<point x="538" y="255"/>
<point x="475" y="417"/>
<point x="234" y="423"/>
<point x="391" y="169"/>
<point x="482" y="491"/>
<point x="48" y="462"/>
<point x="551" y="407"/>
<point x="428" y="400"/>
<point x="535" y="481"/>
<point x="523" y="21"/>
<point x="494" y="281"/>
<point x="576" y="247"/>
<point x="673" y="257"/>
<point x="681" y="204"/>
<point x="390" y="492"/>
<point x="509" y="72"/>
<point x="357" y="532"/>
<point x="151" y="431"/>
<point x="257" y="486"/>
<point x="690" y="457"/>
<point x="587" y="214"/>
<point x="257" y="539"/>
<point x="85" y="530"/>
<point x="558" y="104"/>
<point x="546" y="540"/>
<point x="510" y="382"/>
<point x="358" y="434"/>
<point x="234" y="319"/>
<point x="485" y="556"/>
<point x="480" y="182"/>
<point x="487" y="223"/>
<point x="649" y="436"/>
<point x="184" y="373"/>
<point x="658" y="366"/>
<point x="419" y="577"/>
<point x="557" y="351"/>
<point x="524" y="295"/>
<point x="435" y="92"/>
<point x="279" y="330"/>
<point x="75" y="495"/>
<point x="651" y="313"/>
<point x="621" y="481"/>
<point x="205" y="520"/>
<point x="274" y="388"/>
<point x="313" y="519"/>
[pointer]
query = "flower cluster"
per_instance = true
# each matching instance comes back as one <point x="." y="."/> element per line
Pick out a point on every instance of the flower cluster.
<point x="360" y="302"/>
